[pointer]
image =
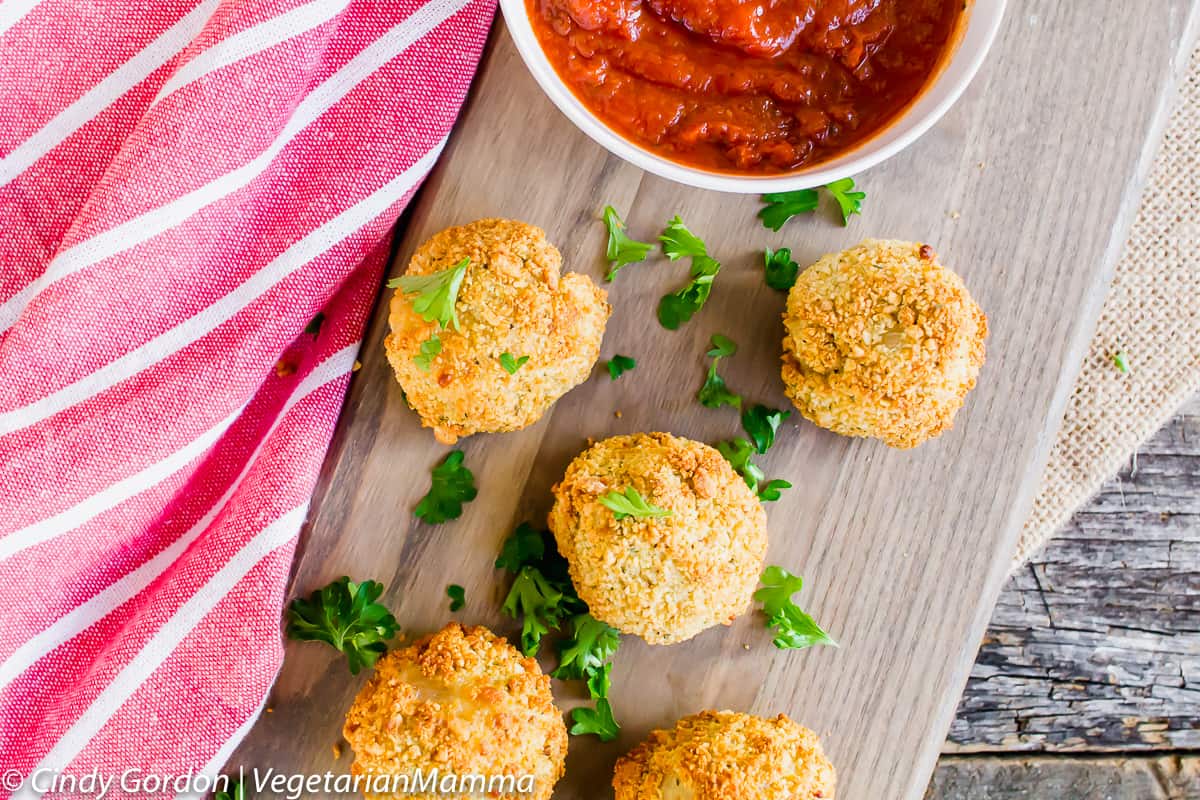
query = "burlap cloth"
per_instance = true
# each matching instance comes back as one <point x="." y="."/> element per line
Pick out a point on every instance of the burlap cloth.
<point x="1152" y="315"/>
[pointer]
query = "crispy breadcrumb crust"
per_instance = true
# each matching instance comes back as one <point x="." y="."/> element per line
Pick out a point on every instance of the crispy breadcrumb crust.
<point x="882" y="341"/>
<point x="463" y="701"/>
<point x="512" y="300"/>
<point x="664" y="579"/>
<point x="722" y="755"/>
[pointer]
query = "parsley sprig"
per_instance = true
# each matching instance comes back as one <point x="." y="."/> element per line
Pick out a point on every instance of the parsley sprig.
<point x="435" y="293"/>
<point x="715" y="393"/>
<point x="452" y="485"/>
<point x="849" y="201"/>
<point x="780" y="270"/>
<point x="544" y="600"/>
<point x="762" y="423"/>
<point x="621" y="249"/>
<point x="678" y="307"/>
<point x="618" y="365"/>
<point x="630" y="503"/>
<point x="794" y="628"/>
<point x="457" y="595"/>
<point x="511" y="364"/>
<point x="541" y="596"/>
<point x="782" y="206"/>
<point x="433" y="297"/>
<point x="345" y="615"/>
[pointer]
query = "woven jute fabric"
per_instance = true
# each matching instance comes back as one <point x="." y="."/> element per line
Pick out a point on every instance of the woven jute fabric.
<point x="1152" y="316"/>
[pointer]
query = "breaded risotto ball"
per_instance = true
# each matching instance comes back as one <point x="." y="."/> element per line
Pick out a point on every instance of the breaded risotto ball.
<point x="465" y="702"/>
<point x="882" y="341"/>
<point x="667" y="577"/>
<point x="514" y="309"/>
<point x="721" y="755"/>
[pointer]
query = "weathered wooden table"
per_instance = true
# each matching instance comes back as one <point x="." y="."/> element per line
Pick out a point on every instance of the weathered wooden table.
<point x="1026" y="188"/>
<point x="1088" y="681"/>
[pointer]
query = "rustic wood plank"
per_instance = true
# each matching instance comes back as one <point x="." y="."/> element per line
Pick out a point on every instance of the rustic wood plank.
<point x="1096" y="644"/>
<point x="971" y="778"/>
<point x="905" y="552"/>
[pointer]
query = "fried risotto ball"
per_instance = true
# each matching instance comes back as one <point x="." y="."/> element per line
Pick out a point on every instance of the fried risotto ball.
<point x="463" y="701"/>
<point x="882" y="341"/>
<point x="512" y="300"/>
<point x="722" y="755"/>
<point x="665" y="579"/>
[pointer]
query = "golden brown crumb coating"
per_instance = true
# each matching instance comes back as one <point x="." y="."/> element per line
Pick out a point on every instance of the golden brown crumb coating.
<point x="463" y="701"/>
<point x="882" y="341"/>
<point x="512" y="300"/>
<point x="722" y="755"/>
<point x="664" y="579"/>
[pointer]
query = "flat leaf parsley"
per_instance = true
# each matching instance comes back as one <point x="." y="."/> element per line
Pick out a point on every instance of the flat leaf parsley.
<point x="715" y="393"/>
<point x="512" y="364"/>
<point x="738" y="453"/>
<point x="621" y="249"/>
<point x="631" y="504"/>
<point x="678" y="307"/>
<point x="849" y="201"/>
<point x="452" y="485"/>
<point x="794" y="628"/>
<point x="457" y="595"/>
<point x="761" y="423"/>
<point x="782" y="206"/>
<point x="436" y="293"/>
<point x="433" y="297"/>
<point x="345" y="615"/>
<point x="619" y="365"/>
<point x="780" y="270"/>
<point x="541" y="596"/>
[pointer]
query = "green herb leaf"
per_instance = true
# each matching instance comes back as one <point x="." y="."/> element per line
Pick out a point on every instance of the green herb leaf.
<point x="539" y="603"/>
<point x="599" y="681"/>
<point x="541" y="596"/>
<point x="591" y="645"/>
<point x="523" y="548"/>
<point x="737" y="452"/>
<point x="510" y="364"/>
<point x="619" y="365"/>
<point x="457" y="595"/>
<point x="761" y="423"/>
<point x="435" y="294"/>
<point x="782" y="206"/>
<point x="678" y="307"/>
<point x="794" y="629"/>
<point x="429" y="348"/>
<point x="344" y="615"/>
<point x="237" y="791"/>
<point x="1121" y="362"/>
<point x="714" y="393"/>
<point x="848" y="200"/>
<point x="679" y="242"/>
<point x="452" y="485"/>
<point x="631" y="504"/>
<point x="621" y="249"/>
<point x="722" y="346"/>
<point x="314" y="325"/>
<point x="781" y="271"/>
<point x="772" y="490"/>
<point x="598" y="721"/>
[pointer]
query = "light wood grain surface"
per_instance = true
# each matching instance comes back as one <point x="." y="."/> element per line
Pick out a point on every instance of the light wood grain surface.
<point x="904" y="552"/>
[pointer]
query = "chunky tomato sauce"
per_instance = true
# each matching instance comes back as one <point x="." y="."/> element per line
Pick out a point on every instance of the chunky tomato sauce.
<point x="750" y="86"/>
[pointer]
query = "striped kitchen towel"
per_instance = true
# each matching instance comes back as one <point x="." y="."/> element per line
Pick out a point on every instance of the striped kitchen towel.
<point x="195" y="205"/>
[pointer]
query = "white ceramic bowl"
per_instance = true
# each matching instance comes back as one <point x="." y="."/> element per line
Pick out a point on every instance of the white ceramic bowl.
<point x="935" y="100"/>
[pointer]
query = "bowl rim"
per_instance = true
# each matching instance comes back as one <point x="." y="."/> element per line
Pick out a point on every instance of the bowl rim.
<point x="953" y="78"/>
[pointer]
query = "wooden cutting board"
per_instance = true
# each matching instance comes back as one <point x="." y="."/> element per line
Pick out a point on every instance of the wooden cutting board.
<point x="1026" y="189"/>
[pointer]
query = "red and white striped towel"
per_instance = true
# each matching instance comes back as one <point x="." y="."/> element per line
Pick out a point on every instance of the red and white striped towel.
<point x="184" y="184"/>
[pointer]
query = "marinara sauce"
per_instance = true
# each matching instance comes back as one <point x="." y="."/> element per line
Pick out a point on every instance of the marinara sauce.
<point x="747" y="86"/>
